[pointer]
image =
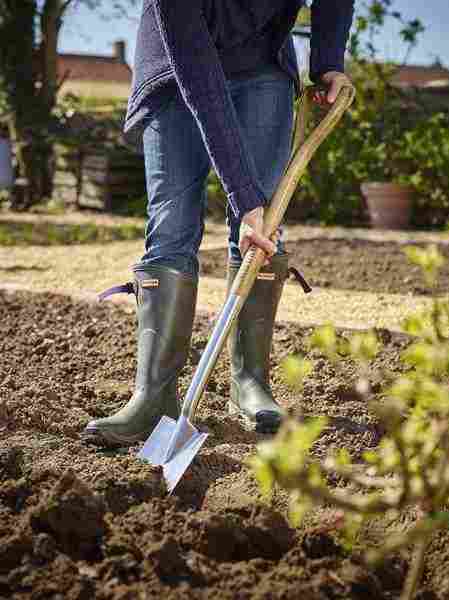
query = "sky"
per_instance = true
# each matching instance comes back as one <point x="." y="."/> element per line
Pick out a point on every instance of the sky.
<point x="90" y="32"/>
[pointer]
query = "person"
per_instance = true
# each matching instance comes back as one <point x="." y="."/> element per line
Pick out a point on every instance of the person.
<point x="214" y="85"/>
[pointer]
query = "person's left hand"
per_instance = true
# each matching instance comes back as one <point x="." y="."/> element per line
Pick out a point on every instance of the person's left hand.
<point x="333" y="81"/>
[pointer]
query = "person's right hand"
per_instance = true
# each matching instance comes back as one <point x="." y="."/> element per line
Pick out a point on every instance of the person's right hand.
<point x="334" y="81"/>
<point x="251" y="233"/>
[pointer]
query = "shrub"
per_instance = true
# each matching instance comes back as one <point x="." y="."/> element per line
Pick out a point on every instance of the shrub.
<point x="426" y="147"/>
<point x="384" y="137"/>
<point x="381" y="136"/>
<point x="411" y="464"/>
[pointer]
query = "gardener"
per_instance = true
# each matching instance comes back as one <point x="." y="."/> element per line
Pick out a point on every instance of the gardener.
<point x="214" y="84"/>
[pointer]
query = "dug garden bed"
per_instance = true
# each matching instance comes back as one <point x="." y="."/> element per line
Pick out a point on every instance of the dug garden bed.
<point x="79" y="523"/>
<point x="356" y="264"/>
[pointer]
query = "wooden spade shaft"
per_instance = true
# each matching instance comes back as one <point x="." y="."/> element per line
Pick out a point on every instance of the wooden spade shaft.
<point x="303" y="151"/>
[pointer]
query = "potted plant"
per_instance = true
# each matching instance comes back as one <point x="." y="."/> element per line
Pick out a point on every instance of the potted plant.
<point x="384" y="118"/>
<point x="389" y="204"/>
<point x="388" y="196"/>
<point x="384" y="113"/>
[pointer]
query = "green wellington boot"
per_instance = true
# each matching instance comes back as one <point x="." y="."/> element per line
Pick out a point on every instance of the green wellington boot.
<point x="166" y="302"/>
<point x="249" y="347"/>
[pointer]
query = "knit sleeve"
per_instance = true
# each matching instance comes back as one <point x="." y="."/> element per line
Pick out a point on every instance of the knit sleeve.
<point x="331" y="23"/>
<point x="201" y="81"/>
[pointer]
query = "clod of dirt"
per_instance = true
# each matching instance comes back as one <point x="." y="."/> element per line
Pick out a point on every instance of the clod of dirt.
<point x="392" y="572"/>
<point x="44" y="548"/>
<point x="60" y="579"/>
<point x="73" y="514"/>
<point x="128" y="482"/>
<point x="361" y="583"/>
<point x="13" y="494"/>
<point x="16" y="540"/>
<point x="167" y="558"/>
<point x="258" y="532"/>
<point x="11" y="463"/>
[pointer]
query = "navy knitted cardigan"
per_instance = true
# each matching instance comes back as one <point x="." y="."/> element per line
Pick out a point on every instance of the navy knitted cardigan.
<point x="193" y="45"/>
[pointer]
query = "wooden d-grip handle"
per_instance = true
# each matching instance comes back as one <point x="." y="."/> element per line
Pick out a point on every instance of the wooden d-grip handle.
<point x="302" y="153"/>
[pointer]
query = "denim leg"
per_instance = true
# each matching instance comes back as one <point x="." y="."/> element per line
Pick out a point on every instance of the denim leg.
<point x="264" y="105"/>
<point x="176" y="166"/>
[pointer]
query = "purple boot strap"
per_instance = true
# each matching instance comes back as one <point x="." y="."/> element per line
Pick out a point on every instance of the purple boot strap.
<point x="126" y="288"/>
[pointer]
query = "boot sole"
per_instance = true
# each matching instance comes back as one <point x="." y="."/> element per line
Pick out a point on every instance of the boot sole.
<point x="265" y="421"/>
<point x="95" y="437"/>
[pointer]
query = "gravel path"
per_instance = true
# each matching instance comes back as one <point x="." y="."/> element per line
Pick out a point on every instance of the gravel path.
<point x="85" y="270"/>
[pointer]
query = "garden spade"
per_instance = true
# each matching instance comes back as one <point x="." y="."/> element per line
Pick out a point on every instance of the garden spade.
<point x="174" y="444"/>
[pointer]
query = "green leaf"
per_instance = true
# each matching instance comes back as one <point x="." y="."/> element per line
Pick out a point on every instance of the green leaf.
<point x="343" y="458"/>
<point x="430" y="260"/>
<point x="295" y="369"/>
<point x="364" y="346"/>
<point x="325" y="339"/>
<point x="420" y="355"/>
<point x="371" y="457"/>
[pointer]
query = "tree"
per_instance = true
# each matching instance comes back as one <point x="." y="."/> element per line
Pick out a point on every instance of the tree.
<point x="29" y="34"/>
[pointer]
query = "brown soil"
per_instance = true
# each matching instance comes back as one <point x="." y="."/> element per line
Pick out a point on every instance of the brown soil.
<point x="349" y="264"/>
<point x="80" y="523"/>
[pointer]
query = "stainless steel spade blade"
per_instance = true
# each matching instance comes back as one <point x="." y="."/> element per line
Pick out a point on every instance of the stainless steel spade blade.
<point x="173" y="445"/>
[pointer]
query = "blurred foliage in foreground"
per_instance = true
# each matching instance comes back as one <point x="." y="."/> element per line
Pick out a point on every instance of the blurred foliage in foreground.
<point x="410" y="467"/>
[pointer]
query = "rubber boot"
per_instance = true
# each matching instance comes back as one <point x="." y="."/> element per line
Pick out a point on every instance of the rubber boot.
<point x="166" y="302"/>
<point x="249" y="347"/>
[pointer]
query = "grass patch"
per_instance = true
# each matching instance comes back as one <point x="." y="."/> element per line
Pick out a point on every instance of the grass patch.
<point x="52" y="234"/>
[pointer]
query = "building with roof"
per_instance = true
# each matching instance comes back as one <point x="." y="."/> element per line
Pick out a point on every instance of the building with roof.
<point x="106" y="77"/>
<point x="432" y="83"/>
<point x="88" y="75"/>
<point x="433" y="77"/>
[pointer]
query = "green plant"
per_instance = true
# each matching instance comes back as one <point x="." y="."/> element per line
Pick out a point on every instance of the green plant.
<point x="410" y="467"/>
<point x="391" y="144"/>
<point x="426" y="148"/>
<point x="389" y="135"/>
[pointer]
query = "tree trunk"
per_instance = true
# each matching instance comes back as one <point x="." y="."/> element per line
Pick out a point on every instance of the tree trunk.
<point x="30" y="80"/>
<point x="50" y="27"/>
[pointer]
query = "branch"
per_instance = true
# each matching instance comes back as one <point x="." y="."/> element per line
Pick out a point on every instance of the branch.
<point x="351" y="475"/>
<point x="416" y="568"/>
<point x="424" y="528"/>
<point x="343" y="499"/>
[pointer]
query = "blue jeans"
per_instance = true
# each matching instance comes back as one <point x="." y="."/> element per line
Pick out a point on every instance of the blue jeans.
<point x="177" y="165"/>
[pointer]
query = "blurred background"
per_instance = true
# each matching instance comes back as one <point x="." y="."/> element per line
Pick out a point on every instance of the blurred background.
<point x="65" y="75"/>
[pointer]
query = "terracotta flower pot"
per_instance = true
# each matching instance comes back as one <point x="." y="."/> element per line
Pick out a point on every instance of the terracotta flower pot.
<point x="389" y="204"/>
